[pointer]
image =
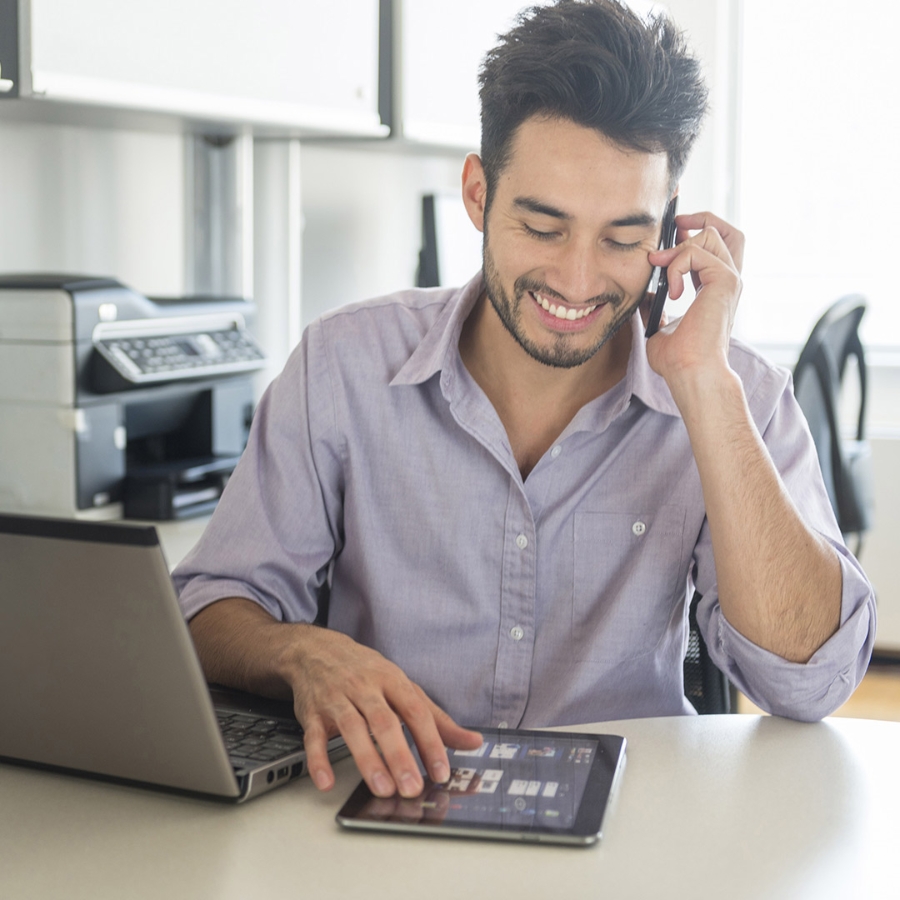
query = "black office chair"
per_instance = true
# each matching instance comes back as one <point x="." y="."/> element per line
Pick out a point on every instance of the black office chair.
<point x="706" y="686"/>
<point x="846" y="462"/>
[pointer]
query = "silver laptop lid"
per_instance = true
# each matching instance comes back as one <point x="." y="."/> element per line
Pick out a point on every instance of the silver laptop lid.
<point x="97" y="669"/>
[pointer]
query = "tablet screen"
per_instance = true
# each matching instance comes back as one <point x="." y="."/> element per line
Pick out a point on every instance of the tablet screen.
<point x="516" y="782"/>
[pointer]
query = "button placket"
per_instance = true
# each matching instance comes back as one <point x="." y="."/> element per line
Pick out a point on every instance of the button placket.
<point x="514" y="654"/>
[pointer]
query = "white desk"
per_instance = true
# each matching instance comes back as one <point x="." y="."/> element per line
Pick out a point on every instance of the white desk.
<point x="718" y="807"/>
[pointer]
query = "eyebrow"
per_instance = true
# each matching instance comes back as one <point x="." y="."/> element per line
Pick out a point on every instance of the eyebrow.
<point x="544" y="209"/>
<point x="541" y="209"/>
<point x="642" y="219"/>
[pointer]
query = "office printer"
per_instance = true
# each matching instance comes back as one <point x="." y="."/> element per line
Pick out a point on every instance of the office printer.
<point x="115" y="404"/>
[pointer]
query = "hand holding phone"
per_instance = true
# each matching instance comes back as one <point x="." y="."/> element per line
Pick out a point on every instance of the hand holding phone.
<point x="666" y="240"/>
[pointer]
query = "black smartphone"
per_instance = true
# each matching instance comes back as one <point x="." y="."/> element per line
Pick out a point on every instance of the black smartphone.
<point x="666" y="240"/>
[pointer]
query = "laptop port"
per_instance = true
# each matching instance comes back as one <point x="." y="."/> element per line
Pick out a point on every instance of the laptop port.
<point x="296" y="770"/>
<point x="282" y="772"/>
<point x="270" y="777"/>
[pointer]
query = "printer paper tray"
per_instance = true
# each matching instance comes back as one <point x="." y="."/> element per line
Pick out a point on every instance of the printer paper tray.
<point x="178" y="489"/>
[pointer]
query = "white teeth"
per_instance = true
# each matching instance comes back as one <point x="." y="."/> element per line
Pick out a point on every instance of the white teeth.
<point x="561" y="312"/>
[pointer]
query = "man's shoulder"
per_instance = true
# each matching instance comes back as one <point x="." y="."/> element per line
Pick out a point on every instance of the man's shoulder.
<point x="412" y="311"/>
<point x="763" y="380"/>
<point x="377" y="338"/>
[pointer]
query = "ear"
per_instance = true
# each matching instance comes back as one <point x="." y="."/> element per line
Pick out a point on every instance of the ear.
<point x="474" y="189"/>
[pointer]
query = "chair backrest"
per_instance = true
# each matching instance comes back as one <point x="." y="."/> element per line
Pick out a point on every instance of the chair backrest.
<point x="709" y="691"/>
<point x="818" y="375"/>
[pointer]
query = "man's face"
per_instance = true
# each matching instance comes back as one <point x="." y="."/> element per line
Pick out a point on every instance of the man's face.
<point x="572" y="219"/>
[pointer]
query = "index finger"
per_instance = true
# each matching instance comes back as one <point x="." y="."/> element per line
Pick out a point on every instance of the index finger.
<point x="452" y="735"/>
<point x="703" y="262"/>
<point x="733" y="238"/>
<point x="433" y="730"/>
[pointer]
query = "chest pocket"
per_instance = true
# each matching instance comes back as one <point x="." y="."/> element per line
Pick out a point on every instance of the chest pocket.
<point x="629" y="581"/>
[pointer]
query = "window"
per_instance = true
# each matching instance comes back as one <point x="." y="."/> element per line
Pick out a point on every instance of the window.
<point x="819" y="188"/>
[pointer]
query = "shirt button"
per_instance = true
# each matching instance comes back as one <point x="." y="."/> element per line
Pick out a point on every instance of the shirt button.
<point x="503" y="725"/>
<point x="638" y="528"/>
<point x="556" y="451"/>
<point x="521" y="542"/>
<point x="517" y="633"/>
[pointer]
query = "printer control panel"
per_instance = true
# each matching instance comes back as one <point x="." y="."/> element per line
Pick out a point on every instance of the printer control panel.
<point x="143" y="356"/>
<point x="177" y="354"/>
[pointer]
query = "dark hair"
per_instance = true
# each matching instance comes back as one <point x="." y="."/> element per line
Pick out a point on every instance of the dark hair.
<point x="598" y="64"/>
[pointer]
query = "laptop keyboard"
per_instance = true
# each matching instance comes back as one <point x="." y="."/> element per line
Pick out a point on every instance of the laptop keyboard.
<point x="258" y="739"/>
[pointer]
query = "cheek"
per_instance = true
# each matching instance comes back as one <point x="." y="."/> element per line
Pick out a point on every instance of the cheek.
<point x="513" y="257"/>
<point x="632" y="272"/>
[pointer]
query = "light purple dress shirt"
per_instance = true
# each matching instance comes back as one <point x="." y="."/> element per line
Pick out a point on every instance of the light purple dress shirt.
<point x="379" y="475"/>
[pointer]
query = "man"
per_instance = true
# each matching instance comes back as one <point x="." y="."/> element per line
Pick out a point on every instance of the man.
<point x="499" y="498"/>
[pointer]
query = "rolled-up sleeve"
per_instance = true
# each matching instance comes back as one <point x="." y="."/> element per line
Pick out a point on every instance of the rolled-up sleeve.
<point x="806" y="691"/>
<point x="278" y="524"/>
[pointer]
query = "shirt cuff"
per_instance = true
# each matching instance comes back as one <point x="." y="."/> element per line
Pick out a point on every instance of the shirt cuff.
<point x="201" y="592"/>
<point x="804" y="691"/>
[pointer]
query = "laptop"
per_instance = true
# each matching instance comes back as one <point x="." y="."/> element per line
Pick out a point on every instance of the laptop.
<point x="98" y="674"/>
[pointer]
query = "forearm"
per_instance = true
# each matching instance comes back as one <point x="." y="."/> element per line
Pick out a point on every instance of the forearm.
<point x="779" y="582"/>
<point x="337" y="685"/>
<point x="241" y="645"/>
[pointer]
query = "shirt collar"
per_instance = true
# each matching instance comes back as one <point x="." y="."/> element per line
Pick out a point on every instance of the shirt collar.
<point x="640" y="380"/>
<point x="440" y="347"/>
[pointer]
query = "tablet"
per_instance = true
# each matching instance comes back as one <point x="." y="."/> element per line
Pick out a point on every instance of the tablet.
<point x="542" y="786"/>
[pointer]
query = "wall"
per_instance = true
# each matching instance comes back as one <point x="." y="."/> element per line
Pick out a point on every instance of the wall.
<point x="879" y="554"/>
<point x="93" y="201"/>
<point x="712" y="30"/>
<point x="362" y="220"/>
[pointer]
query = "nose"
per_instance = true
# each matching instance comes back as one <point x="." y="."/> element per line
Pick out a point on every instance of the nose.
<point x="579" y="274"/>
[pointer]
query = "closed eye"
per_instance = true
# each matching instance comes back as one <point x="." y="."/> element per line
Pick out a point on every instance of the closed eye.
<point x="540" y="235"/>
<point x="617" y="245"/>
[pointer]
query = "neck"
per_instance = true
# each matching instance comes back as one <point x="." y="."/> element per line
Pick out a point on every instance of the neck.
<point x="535" y="402"/>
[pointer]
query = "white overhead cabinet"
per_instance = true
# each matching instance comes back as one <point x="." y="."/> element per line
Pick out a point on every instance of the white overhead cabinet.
<point x="442" y="46"/>
<point x="293" y="64"/>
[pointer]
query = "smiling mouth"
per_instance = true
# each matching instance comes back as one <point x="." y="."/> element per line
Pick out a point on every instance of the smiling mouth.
<point x="561" y="311"/>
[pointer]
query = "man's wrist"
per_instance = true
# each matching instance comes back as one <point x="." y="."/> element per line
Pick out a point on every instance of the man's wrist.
<point x="239" y="644"/>
<point x="290" y="644"/>
<point x="699" y="391"/>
